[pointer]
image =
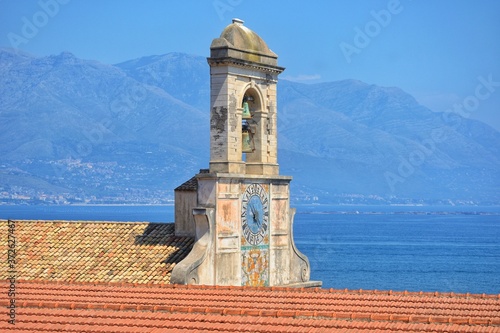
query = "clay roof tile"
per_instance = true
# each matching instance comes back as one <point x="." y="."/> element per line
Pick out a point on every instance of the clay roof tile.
<point x="95" y="251"/>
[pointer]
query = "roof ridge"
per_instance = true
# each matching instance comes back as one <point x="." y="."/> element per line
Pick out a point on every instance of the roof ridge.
<point x="82" y="221"/>
<point x="444" y="295"/>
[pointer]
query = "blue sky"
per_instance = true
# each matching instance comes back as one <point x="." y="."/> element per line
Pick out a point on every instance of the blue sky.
<point x="445" y="53"/>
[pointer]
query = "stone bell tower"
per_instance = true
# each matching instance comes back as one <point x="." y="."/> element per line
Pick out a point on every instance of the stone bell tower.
<point x="238" y="210"/>
<point x="243" y="70"/>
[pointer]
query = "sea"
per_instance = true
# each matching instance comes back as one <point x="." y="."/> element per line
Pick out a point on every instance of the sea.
<point x="414" y="248"/>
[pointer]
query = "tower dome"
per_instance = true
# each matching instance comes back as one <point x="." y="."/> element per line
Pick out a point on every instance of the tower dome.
<point x="238" y="42"/>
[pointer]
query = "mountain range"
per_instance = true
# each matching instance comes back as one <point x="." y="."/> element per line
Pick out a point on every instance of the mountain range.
<point x="80" y="131"/>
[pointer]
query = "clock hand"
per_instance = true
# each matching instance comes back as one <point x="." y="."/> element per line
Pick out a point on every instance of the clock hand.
<point x="254" y="212"/>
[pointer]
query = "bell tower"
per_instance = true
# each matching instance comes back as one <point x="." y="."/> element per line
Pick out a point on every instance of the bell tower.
<point x="238" y="210"/>
<point x="243" y="128"/>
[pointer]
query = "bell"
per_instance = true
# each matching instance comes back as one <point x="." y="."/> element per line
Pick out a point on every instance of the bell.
<point x="246" y="111"/>
<point x="247" y="145"/>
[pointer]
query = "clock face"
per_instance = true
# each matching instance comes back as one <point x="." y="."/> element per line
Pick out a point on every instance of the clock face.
<point x="255" y="214"/>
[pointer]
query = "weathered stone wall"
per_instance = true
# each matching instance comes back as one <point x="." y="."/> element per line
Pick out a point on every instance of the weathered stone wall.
<point x="229" y="84"/>
<point x="229" y="259"/>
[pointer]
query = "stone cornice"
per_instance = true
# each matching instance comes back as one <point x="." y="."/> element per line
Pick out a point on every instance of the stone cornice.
<point x="244" y="64"/>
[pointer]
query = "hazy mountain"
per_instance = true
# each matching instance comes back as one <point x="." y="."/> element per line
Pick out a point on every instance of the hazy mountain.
<point x="184" y="76"/>
<point x="135" y="130"/>
<point x="375" y="140"/>
<point x="57" y="110"/>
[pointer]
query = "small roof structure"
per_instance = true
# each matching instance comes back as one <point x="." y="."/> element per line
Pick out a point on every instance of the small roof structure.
<point x="189" y="185"/>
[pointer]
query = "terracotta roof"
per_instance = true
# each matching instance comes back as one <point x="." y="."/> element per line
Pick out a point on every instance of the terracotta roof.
<point x="95" y="251"/>
<point x="112" y="307"/>
<point x="65" y="273"/>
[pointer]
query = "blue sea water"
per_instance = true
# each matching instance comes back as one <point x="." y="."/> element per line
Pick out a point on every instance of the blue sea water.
<point x="435" y="252"/>
<point x="367" y="247"/>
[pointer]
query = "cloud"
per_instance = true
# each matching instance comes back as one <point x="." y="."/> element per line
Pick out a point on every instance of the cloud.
<point x="302" y="77"/>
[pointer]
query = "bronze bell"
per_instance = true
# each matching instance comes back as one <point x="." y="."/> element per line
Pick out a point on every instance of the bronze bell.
<point x="246" y="111"/>
<point x="247" y="145"/>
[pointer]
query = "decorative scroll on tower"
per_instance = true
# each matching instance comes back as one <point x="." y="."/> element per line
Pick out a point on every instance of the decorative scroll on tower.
<point x="238" y="210"/>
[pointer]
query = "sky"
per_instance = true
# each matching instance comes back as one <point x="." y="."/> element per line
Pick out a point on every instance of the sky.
<point x="445" y="53"/>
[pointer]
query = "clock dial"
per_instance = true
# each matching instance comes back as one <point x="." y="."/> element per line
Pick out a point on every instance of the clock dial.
<point x="255" y="214"/>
